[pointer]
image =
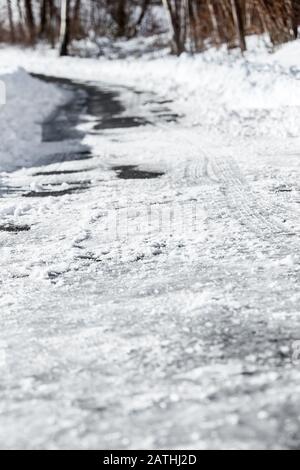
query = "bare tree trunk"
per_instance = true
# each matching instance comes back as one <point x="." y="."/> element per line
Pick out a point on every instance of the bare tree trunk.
<point x="11" y="21"/>
<point x="48" y="21"/>
<point x="295" y="16"/>
<point x="121" y="18"/>
<point x="277" y="19"/>
<point x="20" y="25"/>
<point x="76" y="26"/>
<point x="195" y="25"/>
<point x="65" y="28"/>
<point x="52" y="23"/>
<point x="237" y="12"/>
<point x="214" y="20"/>
<point x="43" y="18"/>
<point x="30" y="20"/>
<point x="262" y="16"/>
<point x="92" y="16"/>
<point x="176" y="10"/>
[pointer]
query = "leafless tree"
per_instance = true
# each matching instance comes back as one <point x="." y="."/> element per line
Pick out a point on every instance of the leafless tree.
<point x="65" y="28"/>
<point x="11" y="21"/>
<point x="237" y="13"/>
<point x="194" y="24"/>
<point x="30" y="20"/>
<point x="214" y="21"/>
<point x="177" y="11"/>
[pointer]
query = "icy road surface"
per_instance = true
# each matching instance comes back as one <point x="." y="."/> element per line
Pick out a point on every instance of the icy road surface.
<point x="149" y="283"/>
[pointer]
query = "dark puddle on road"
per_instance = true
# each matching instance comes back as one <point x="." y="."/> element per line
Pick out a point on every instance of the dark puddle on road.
<point x="62" y="172"/>
<point x="125" y="122"/>
<point x="62" y="125"/>
<point x="132" y="172"/>
<point x="72" y="156"/>
<point x="104" y="106"/>
<point x="73" y="189"/>
<point x="284" y="190"/>
<point x="89" y="100"/>
<point x="14" y="228"/>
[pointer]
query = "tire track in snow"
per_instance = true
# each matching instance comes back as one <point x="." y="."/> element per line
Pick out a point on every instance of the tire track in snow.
<point x="243" y="203"/>
<point x="262" y="218"/>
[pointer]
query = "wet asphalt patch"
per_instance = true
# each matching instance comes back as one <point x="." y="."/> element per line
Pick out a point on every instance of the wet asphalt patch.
<point x="132" y="172"/>
<point x="85" y="99"/>
<point x="79" y="187"/>
<point x="62" y="172"/>
<point x="10" y="228"/>
<point x="169" y="117"/>
<point x="66" y="157"/>
<point x="124" y="122"/>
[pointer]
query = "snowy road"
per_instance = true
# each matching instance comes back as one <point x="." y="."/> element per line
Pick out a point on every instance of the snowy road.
<point x="150" y="284"/>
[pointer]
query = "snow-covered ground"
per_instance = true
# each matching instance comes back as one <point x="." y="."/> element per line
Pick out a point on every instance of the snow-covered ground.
<point x="27" y="103"/>
<point x="162" y="312"/>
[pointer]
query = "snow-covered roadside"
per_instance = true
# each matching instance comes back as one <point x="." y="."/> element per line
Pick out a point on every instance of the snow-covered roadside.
<point x="258" y="95"/>
<point x="156" y="336"/>
<point x="223" y="98"/>
<point x="28" y="103"/>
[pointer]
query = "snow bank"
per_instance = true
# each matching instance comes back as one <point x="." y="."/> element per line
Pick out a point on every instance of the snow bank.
<point x="255" y="95"/>
<point x="28" y="102"/>
<point x="258" y="94"/>
<point x="2" y="93"/>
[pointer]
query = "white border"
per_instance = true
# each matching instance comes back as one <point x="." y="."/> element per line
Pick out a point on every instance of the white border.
<point x="2" y="93"/>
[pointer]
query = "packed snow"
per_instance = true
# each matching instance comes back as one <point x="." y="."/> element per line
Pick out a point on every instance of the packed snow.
<point x="213" y="89"/>
<point x="27" y="103"/>
<point x="160" y="312"/>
